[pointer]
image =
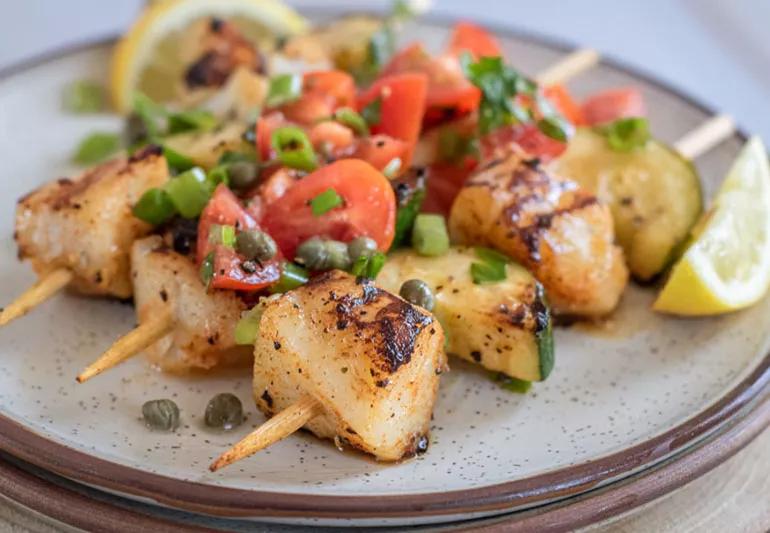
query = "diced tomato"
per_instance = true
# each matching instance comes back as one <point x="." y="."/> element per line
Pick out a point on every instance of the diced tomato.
<point x="402" y="108"/>
<point x="336" y="84"/>
<point x="613" y="104"/>
<point x="527" y="136"/>
<point x="450" y="94"/>
<point x="264" y="129"/>
<point x="378" y="151"/>
<point x="229" y="273"/>
<point x="330" y="135"/>
<point x="567" y="106"/>
<point x="225" y="209"/>
<point x="369" y="207"/>
<point x="444" y="183"/>
<point x="309" y="109"/>
<point x="468" y="37"/>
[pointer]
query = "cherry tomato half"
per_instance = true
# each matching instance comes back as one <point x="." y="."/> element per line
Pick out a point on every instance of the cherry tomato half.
<point x="613" y="104"/>
<point x="468" y="37"/>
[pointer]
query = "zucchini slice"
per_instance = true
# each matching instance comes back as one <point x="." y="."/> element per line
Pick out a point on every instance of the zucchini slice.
<point x="653" y="192"/>
<point x="503" y="326"/>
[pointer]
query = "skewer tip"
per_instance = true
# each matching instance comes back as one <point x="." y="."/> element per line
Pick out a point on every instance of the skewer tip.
<point x="46" y="286"/>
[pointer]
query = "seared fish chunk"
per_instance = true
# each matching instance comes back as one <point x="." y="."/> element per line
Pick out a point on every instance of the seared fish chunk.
<point x="86" y="225"/>
<point x="371" y="359"/>
<point x="204" y="322"/>
<point x="548" y="224"/>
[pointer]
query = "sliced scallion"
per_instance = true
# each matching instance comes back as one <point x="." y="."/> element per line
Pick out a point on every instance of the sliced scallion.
<point x="154" y="207"/>
<point x="283" y="89"/>
<point x="429" y="235"/>
<point x="293" y="148"/>
<point x="352" y="120"/>
<point x="96" y="147"/>
<point x="292" y="276"/>
<point x="189" y="192"/>
<point x="392" y="168"/>
<point x="247" y="328"/>
<point x="325" y="202"/>
<point x="223" y="234"/>
<point x="177" y="162"/>
<point x="207" y="269"/>
<point x="192" y="120"/>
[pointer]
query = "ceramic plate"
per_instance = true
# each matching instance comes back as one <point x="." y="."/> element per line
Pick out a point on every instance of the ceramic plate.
<point x="622" y="397"/>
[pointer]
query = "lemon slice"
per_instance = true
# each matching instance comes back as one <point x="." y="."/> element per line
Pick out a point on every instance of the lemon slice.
<point x="727" y="265"/>
<point x="152" y="56"/>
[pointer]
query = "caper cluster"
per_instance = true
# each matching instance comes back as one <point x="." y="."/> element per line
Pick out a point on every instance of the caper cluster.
<point x="327" y="254"/>
<point x="224" y="411"/>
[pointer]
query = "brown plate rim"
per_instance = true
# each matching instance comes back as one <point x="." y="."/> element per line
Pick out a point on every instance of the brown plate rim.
<point x="535" y="490"/>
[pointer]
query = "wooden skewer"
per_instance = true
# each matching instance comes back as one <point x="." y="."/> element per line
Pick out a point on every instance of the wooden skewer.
<point x="128" y="345"/>
<point x="45" y="287"/>
<point x="570" y="66"/>
<point x="279" y="427"/>
<point x="705" y="137"/>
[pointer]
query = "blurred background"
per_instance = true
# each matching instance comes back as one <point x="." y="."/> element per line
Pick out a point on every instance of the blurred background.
<point x="718" y="51"/>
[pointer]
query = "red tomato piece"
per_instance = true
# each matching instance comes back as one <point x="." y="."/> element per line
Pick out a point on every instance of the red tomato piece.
<point x="402" y="108"/>
<point x="230" y="275"/>
<point x="468" y="37"/>
<point x="378" y="151"/>
<point x="225" y="209"/>
<point x="309" y="109"/>
<point x="450" y="94"/>
<point x="369" y="207"/>
<point x="444" y="183"/>
<point x="613" y="104"/>
<point x="264" y="129"/>
<point x="330" y="136"/>
<point x="563" y="101"/>
<point x="336" y="84"/>
<point x="527" y="136"/>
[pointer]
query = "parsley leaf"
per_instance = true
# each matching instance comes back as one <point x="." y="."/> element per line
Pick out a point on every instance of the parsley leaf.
<point x="626" y="134"/>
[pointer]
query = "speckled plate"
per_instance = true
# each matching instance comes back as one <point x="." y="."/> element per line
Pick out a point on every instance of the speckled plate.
<point x="623" y="396"/>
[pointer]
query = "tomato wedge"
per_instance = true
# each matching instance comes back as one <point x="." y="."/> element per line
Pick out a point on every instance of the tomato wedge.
<point x="567" y="106"/>
<point x="402" y="107"/>
<point x="378" y="151"/>
<point x="613" y="104"/>
<point x="449" y="94"/>
<point x="444" y="183"/>
<point x="368" y="209"/>
<point x="527" y="136"/>
<point x="335" y="84"/>
<point x="225" y="209"/>
<point x="264" y="129"/>
<point x="468" y="37"/>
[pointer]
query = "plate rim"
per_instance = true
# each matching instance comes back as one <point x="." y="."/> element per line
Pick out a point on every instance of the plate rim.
<point x="30" y="446"/>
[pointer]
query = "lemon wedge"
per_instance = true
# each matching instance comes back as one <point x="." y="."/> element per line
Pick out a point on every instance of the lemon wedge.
<point x="152" y="56"/>
<point x="727" y="264"/>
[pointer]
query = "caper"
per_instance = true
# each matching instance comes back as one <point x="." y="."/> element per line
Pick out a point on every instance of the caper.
<point x="417" y="292"/>
<point x="224" y="411"/>
<point x="338" y="255"/>
<point x="135" y="130"/>
<point x="360" y="246"/>
<point x="255" y="244"/>
<point x="162" y="415"/>
<point x="242" y="174"/>
<point x="313" y="254"/>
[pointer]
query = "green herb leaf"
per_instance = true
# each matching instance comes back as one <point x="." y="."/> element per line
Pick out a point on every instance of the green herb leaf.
<point x="453" y="147"/>
<point x="368" y="265"/>
<point x="352" y="120"/>
<point x="154" y="207"/>
<point x="283" y="89"/>
<point x="293" y="148"/>
<point x="372" y="112"/>
<point x="488" y="255"/>
<point x="84" y="96"/>
<point x="325" y="202"/>
<point x="626" y="134"/>
<point x="189" y="192"/>
<point x="410" y="194"/>
<point x="292" y="276"/>
<point x="512" y="384"/>
<point x="429" y="235"/>
<point x="192" y="120"/>
<point x="207" y="269"/>
<point x="96" y="148"/>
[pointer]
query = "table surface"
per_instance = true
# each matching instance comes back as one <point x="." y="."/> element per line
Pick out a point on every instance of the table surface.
<point x="717" y="51"/>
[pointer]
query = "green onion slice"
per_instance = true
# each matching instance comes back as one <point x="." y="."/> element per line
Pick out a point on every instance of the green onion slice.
<point x="512" y="384"/>
<point x="368" y="265"/>
<point x="325" y="202"/>
<point x="177" y="162"/>
<point x="293" y="148"/>
<point x="96" y="147"/>
<point x="192" y="120"/>
<point x="283" y="89"/>
<point x="223" y="234"/>
<point x="491" y="268"/>
<point x="247" y="328"/>
<point x="429" y="235"/>
<point x="292" y="276"/>
<point x="189" y="192"/>
<point x="392" y="168"/>
<point x="154" y="207"/>
<point x="353" y="120"/>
